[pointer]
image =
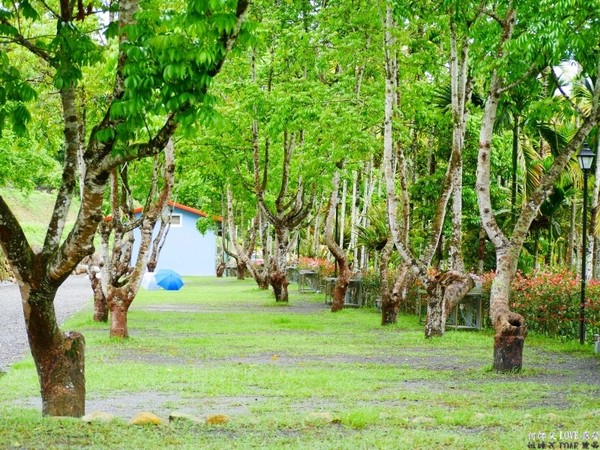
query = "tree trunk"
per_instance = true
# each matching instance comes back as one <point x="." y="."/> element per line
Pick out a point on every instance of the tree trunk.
<point x="595" y="209"/>
<point x="220" y="269"/>
<point x="510" y="328"/>
<point x="93" y="272"/>
<point x="289" y="212"/>
<point x="515" y="155"/>
<point x="352" y="248"/>
<point x="279" y="283"/>
<point x="459" y="62"/>
<point x="342" y="218"/>
<point x="58" y="357"/>
<point x="341" y="259"/>
<point x="341" y="286"/>
<point x="367" y="197"/>
<point x="278" y="275"/>
<point x="389" y="310"/>
<point x="118" y="319"/>
<point x="100" y="305"/>
<point x="481" y="252"/>
<point x="444" y="291"/>
<point x="384" y="279"/>
<point x="241" y="269"/>
<point x="159" y="241"/>
<point x="260" y="274"/>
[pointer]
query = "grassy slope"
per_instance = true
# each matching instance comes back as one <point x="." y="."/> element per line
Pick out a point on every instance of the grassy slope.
<point x="222" y="346"/>
<point x="34" y="210"/>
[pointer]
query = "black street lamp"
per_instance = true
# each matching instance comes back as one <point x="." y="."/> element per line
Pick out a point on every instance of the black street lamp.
<point x="585" y="159"/>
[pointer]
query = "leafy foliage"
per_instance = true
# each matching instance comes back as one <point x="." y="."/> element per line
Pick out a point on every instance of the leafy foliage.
<point x="550" y="303"/>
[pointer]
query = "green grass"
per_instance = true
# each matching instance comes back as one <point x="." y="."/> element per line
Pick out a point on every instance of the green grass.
<point x="34" y="210"/>
<point x="293" y="377"/>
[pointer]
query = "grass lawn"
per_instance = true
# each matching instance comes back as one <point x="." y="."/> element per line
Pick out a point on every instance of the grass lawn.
<point x="298" y="376"/>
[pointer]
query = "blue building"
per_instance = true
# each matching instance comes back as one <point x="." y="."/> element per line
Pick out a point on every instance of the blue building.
<point x="186" y="251"/>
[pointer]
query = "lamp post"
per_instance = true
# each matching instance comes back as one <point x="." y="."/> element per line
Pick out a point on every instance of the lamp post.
<point x="585" y="159"/>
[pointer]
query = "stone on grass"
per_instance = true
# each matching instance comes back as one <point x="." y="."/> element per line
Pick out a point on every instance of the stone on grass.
<point x="217" y="419"/>
<point x="146" y="418"/>
<point x="178" y="416"/>
<point x="98" y="416"/>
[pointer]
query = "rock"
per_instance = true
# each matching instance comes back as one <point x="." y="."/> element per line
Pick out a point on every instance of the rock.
<point x="217" y="419"/>
<point x="146" y="418"/>
<point x="178" y="416"/>
<point x="98" y="416"/>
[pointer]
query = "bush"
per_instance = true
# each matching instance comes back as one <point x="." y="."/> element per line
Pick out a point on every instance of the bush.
<point x="321" y="266"/>
<point x="549" y="301"/>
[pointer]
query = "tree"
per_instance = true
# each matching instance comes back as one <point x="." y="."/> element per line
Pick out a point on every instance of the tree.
<point x="161" y="78"/>
<point x="285" y="216"/>
<point x="120" y="279"/>
<point x="260" y="273"/>
<point x="442" y="296"/>
<point x="510" y="327"/>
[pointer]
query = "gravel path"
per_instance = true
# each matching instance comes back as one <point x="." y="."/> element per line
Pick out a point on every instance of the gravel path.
<point x="71" y="297"/>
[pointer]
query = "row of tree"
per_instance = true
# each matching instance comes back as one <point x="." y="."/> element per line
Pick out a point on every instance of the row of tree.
<point x="432" y="124"/>
<point x="460" y="119"/>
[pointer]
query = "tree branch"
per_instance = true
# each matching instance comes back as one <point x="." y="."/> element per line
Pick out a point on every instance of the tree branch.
<point x="14" y="244"/>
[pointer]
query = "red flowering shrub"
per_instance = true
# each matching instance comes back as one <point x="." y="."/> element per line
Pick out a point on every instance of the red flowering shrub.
<point x="549" y="301"/>
<point x="321" y="266"/>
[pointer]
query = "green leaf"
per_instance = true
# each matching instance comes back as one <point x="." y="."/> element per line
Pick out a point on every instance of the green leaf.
<point x="8" y="30"/>
<point x="112" y="30"/>
<point x="58" y="82"/>
<point x="28" y="11"/>
<point x="117" y="110"/>
<point x="105" y="135"/>
<point x="199" y="6"/>
<point x="20" y="117"/>
<point x="26" y="92"/>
